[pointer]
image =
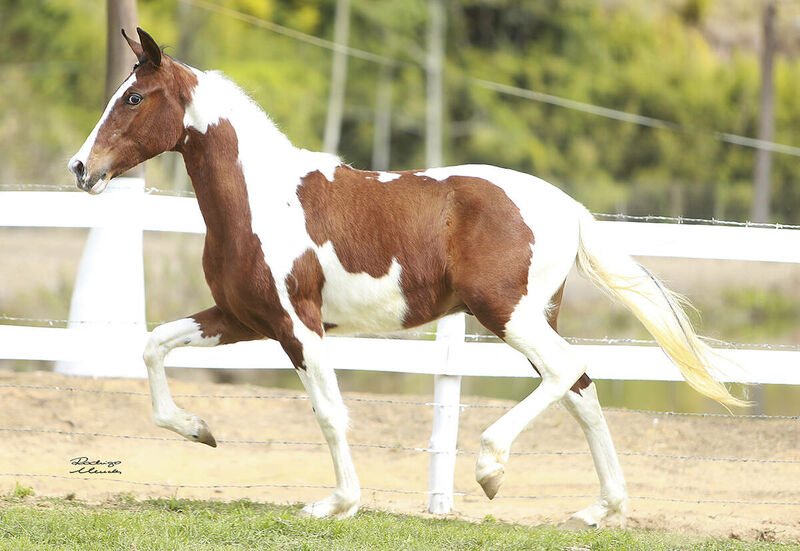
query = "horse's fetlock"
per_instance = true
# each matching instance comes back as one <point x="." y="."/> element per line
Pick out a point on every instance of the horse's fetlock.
<point x="616" y="501"/>
<point x="161" y="420"/>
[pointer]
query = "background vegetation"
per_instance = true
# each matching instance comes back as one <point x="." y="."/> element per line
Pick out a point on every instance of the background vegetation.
<point x="692" y="62"/>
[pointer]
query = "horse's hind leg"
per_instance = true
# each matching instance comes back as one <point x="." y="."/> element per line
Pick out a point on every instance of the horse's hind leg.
<point x="207" y="328"/>
<point x="529" y="332"/>
<point x="584" y="406"/>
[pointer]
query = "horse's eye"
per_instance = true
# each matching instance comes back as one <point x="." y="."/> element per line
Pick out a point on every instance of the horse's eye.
<point x="133" y="99"/>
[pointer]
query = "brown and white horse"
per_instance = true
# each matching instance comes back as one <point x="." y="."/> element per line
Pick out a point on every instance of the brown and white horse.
<point x="299" y="244"/>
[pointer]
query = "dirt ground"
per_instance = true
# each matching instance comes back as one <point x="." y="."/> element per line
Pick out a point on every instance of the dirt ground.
<point x="182" y="462"/>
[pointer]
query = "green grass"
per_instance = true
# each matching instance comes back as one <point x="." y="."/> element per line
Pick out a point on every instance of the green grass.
<point x="127" y="524"/>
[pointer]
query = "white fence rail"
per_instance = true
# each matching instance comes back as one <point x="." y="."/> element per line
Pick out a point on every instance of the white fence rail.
<point x="181" y="214"/>
<point x="448" y="358"/>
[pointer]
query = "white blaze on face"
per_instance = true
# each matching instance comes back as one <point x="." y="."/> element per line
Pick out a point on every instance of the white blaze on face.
<point x="86" y="149"/>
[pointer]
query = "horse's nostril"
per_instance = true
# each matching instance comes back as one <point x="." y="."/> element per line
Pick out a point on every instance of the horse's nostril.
<point x="79" y="169"/>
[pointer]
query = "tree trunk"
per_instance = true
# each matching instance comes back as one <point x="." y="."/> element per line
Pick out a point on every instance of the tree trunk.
<point x="434" y="64"/>
<point x="121" y="14"/>
<point x="333" y="122"/>
<point x="766" y="120"/>
<point x="382" y="133"/>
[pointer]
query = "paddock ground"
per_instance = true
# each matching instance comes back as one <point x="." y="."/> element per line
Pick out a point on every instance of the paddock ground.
<point x="181" y="462"/>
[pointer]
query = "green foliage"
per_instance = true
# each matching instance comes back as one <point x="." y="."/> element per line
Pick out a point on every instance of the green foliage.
<point x="654" y="60"/>
<point x="196" y="525"/>
<point x="756" y="313"/>
<point x="20" y="491"/>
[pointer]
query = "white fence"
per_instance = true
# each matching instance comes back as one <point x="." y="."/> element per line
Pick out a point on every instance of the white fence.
<point x="448" y="357"/>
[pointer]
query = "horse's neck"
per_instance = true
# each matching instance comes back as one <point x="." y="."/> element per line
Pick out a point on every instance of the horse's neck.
<point x="242" y="167"/>
<point x="223" y="128"/>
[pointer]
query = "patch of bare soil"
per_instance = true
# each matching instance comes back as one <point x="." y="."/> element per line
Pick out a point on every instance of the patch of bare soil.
<point x="652" y="480"/>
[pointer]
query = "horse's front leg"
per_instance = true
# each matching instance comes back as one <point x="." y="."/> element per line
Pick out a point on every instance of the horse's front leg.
<point x="207" y="328"/>
<point x="304" y="348"/>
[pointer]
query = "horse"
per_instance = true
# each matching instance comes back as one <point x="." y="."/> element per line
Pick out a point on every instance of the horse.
<point x="300" y="245"/>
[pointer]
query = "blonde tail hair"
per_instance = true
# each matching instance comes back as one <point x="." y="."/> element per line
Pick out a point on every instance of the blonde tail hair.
<point x="659" y="309"/>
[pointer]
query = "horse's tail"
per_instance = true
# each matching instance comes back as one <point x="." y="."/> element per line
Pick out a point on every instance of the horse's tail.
<point x="658" y="308"/>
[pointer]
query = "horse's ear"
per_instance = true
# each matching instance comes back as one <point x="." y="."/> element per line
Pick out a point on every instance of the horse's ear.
<point x="135" y="46"/>
<point x="151" y="49"/>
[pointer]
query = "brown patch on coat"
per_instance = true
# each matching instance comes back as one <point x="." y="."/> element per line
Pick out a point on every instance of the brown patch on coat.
<point x="461" y="242"/>
<point x="580" y="384"/>
<point x="233" y="261"/>
<point x="490" y="251"/>
<point x="214" y="322"/>
<point x="304" y="284"/>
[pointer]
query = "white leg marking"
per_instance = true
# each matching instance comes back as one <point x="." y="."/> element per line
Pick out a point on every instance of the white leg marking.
<point x="529" y="333"/>
<point x="585" y="408"/>
<point x="184" y="332"/>
<point x="323" y="390"/>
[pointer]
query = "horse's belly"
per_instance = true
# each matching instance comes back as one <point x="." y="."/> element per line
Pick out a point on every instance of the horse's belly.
<point x="360" y="303"/>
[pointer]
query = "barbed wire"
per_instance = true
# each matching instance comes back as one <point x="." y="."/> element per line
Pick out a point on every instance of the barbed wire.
<point x="609" y="216"/>
<point x="469" y="337"/>
<point x="653" y="498"/>
<point x="640" y="120"/>
<point x="15" y="186"/>
<point x="298" y="35"/>
<point x="385" y="490"/>
<point x="687" y="220"/>
<point x="393" y="447"/>
<point x="400" y="402"/>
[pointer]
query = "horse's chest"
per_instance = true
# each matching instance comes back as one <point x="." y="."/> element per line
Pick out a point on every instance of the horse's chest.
<point x="238" y="278"/>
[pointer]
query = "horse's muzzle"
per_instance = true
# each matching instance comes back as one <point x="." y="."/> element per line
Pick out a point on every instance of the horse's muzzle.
<point x="94" y="184"/>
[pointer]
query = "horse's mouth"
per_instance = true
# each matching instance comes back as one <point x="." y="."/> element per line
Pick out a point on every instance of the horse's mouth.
<point x="94" y="187"/>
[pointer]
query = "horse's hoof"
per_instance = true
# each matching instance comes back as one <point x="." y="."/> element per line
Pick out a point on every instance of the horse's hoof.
<point x="575" y="523"/>
<point x="331" y="508"/>
<point x="492" y="482"/>
<point x="204" y="435"/>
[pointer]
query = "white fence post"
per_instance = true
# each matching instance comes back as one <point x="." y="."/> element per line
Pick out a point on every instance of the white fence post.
<point x="108" y="297"/>
<point x="447" y="397"/>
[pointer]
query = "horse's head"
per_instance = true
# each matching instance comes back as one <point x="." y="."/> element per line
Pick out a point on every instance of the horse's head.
<point x="143" y="118"/>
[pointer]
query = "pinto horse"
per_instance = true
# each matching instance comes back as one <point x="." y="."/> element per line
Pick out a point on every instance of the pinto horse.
<point x="299" y="245"/>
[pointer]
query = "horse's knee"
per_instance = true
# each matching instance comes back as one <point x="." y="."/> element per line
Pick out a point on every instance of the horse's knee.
<point x="155" y="349"/>
<point x="153" y="352"/>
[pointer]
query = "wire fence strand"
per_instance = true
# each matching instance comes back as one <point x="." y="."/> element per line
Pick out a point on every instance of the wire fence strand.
<point x="393" y="447"/>
<point x="429" y="335"/>
<point x="389" y="401"/>
<point x="387" y="490"/>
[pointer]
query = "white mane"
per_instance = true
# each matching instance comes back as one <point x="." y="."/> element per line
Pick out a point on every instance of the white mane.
<point x="260" y="141"/>
<point x="216" y="97"/>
